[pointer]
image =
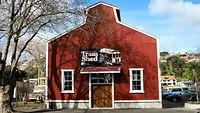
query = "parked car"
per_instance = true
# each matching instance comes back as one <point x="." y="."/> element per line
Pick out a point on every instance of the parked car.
<point x="176" y="94"/>
<point x="38" y="94"/>
<point x="171" y="90"/>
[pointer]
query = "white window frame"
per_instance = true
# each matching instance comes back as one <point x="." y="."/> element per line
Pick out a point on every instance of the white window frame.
<point x="131" y="78"/>
<point x="63" y="81"/>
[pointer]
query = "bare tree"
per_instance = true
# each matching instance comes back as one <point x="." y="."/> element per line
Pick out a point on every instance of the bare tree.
<point x="23" y="20"/>
<point x="35" y="54"/>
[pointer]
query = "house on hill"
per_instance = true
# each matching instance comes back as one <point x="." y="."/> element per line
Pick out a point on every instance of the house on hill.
<point x="103" y="63"/>
<point x="168" y="80"/>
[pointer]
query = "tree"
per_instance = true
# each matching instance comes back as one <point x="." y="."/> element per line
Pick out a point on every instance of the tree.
<point x="35" y="55"/>
<point x="163" y="54"/>
<point x="176" y="65"/>
<point x="31" y="72"/>
<point x="22" y="20"/>
<point x="194" y="74"/>
<point x="164" y="68"/>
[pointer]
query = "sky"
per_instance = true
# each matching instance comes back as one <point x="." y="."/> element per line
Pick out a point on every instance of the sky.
<point x="176" y="23"/>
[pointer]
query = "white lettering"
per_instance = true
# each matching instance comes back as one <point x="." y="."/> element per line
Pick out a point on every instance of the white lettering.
<point x="90" y="56"/>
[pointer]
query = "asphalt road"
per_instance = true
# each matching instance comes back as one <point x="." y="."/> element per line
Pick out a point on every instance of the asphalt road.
<point x="169" y="110"/>
<point x="168" y="107"/>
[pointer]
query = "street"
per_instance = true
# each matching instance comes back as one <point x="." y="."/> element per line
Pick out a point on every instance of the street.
<point x="169" y="110"/>
<point x="168" y="107"/>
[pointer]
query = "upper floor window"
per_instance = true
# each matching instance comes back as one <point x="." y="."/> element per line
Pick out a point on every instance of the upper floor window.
<point x="136" y="80"/>
<point x="67" y="85"/>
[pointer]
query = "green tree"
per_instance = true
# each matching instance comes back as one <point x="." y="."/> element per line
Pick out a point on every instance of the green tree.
<point x="163" y="54"/>
<point x="31" y="72"/>
<point x="194" y="74"/>
<point x="176" y="66"/>
<point x="164" y="68"/>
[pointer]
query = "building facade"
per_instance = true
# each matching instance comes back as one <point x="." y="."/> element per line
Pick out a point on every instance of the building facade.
<point x="168" y="80"/>
<point x="103" y="63"/>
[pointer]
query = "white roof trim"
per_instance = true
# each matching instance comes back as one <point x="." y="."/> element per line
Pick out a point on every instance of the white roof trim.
<point x="52" y="39"/>
<point x="103" y="3"/>
<point x="116" y="18"/>
<point x="131" y="27"/>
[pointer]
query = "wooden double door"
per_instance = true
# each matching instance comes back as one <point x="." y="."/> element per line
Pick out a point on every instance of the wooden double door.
<point x="101" y="95"/>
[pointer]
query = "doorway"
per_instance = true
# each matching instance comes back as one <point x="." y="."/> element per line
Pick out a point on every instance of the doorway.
<point x="101" y="90"/>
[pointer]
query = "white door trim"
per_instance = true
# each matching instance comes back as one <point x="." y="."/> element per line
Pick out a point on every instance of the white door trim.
<point x="90" y="94"/>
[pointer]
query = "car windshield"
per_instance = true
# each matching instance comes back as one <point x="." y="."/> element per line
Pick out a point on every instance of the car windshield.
<point x="176" y="89"/>
<point x="185" y="89"/>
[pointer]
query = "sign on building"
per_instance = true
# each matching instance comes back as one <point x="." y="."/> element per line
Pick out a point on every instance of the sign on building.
<point x="98" y="57"/>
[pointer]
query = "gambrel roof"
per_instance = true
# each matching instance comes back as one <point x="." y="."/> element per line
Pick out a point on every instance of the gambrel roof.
<point x="117" y="18"/>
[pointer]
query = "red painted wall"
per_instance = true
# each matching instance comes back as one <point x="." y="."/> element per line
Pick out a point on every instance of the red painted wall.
<point x="102" y="31"/>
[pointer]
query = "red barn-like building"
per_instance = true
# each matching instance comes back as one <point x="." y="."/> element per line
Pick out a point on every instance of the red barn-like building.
<point x="103" y="63"/>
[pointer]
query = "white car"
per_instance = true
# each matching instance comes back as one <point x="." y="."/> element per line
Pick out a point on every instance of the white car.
<point x="38" y="93"/>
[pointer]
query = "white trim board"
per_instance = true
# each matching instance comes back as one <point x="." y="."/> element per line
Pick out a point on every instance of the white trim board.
<point x="63" y="80"/>
<point x="99" y="3"/>
<point x="75" y="101"/>
<point x="136" y="101"/>
<point x="115" y="101"/>
<point x="47" y="55"/>
<point x="141" y="80"/>
<point x="90" y="94"/>
<point x="100" y="72"/>
<point x="159" y="73"/>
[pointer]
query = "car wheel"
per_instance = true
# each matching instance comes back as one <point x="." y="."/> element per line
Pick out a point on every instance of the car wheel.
<point x="174" y="99"/>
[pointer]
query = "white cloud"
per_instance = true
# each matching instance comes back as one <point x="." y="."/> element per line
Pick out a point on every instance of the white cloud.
<point x="175" y="43"/>
<point x="182" y="13"/>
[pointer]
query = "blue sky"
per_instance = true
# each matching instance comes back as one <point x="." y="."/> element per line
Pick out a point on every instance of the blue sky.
<point x="176" y="23"/>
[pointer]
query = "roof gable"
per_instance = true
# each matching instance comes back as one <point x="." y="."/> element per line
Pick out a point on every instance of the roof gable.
<point x="116" y="17"/>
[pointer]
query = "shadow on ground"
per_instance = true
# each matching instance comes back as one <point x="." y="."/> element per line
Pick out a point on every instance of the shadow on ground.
<point x="38" y="111"/>
<point x="168" y="104"/>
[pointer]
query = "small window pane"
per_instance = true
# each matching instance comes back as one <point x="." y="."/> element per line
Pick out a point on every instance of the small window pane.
<point x="101" y="80"/>
<point x="68" y="83"/>
<point x="133" y="83"/>
<point x="68" y="78"/>
<point x="69" y="73"/>
<point x="134" y="77"/>
<point x="68" y="88"/>
<point x="138" y="82"/>
<point x="133" y="72"/>
<point x="138" y="87"/>
<point x="138" y="72"/>
<point x="94" y="80"/>
<point x="138" y="77"/>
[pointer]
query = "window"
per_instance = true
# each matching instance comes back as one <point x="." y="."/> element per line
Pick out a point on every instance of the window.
<point x="101" y="78"/>
<point x="136" y="80"/>
<point x="67" y="81"/>
<point x="169" y="83"/>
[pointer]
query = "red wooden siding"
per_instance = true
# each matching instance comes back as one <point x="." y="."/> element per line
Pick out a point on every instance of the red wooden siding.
<point x="137" y="50"/>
